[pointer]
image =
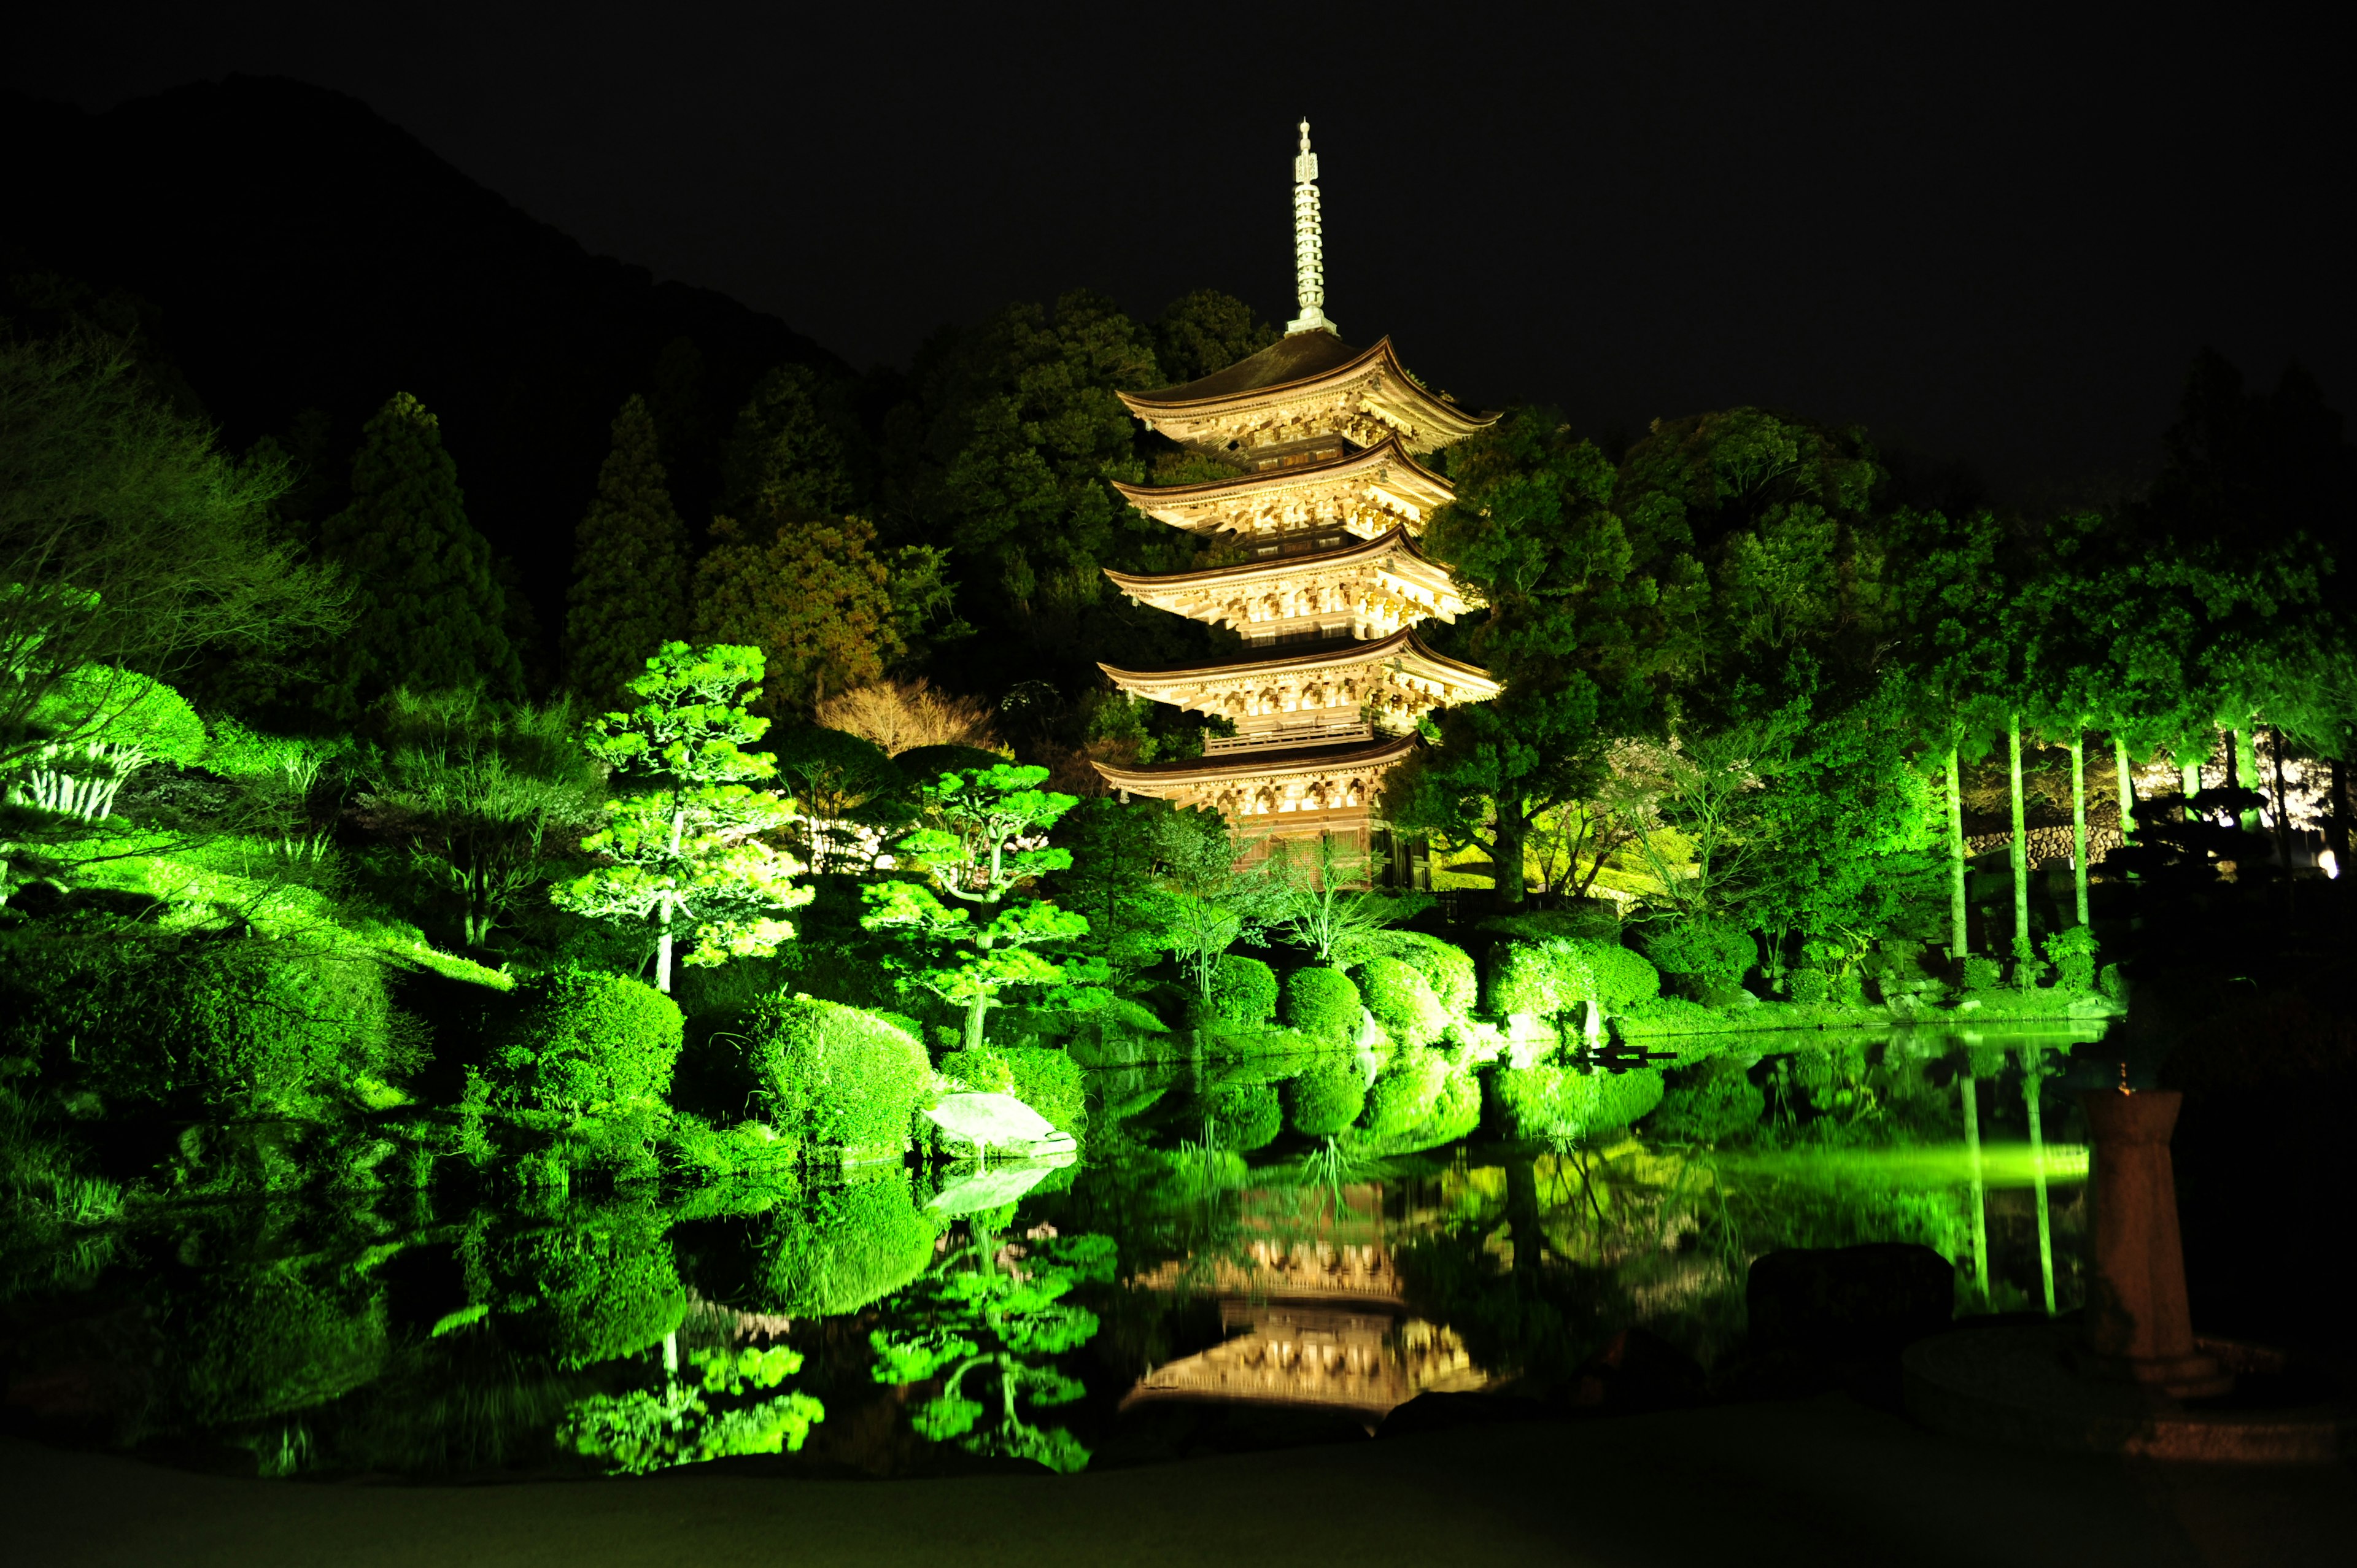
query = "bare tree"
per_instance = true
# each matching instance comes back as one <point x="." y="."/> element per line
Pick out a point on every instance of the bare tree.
<point x="901" y="716"/>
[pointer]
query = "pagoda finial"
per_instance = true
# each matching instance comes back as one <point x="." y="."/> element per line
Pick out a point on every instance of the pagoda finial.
<point x="1309" y="243"/>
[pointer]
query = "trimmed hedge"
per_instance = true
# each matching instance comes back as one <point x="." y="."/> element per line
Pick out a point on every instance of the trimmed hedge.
<point x="580" y="1041"/>
<point x="846" y="1246"/>
<point x="836" y="1077"/>
<point x="1401" y="1002"/>
<point x="1323" y="1004"/>
<point x="1701" y="956"/>
<point x="1546" y="979"/>
<point x="1326" y="1098"/>
<point x="202" y="1022"/>
<point x="1445" y="967"/>
<point x="1243" y="990"/>
<point x="1553" y="1100"/>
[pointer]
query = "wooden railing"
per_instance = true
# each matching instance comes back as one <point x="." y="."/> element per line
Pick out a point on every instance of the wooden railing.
<point x="1285" y="736"/>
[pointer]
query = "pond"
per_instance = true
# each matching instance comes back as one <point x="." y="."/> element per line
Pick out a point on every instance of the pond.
<point x="1161" y="1296"/>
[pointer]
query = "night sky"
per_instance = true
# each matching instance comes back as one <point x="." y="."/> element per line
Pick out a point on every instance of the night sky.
<point x="1993" y="236"/>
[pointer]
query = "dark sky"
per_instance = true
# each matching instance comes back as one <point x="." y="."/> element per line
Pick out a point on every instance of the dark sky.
<point x="1995" y="235"/>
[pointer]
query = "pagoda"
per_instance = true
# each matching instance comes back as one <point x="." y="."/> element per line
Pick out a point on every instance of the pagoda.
<point x="1326" y="504"/>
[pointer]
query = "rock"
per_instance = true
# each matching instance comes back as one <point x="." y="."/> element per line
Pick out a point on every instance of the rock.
<point x="1637" y="1370"/>
<point x="994" y="1121"/>
<point x="1848" y="1301"/>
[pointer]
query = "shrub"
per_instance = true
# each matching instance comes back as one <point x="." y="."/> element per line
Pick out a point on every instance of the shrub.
<point x="1809" y="987"/>
<point x="1245" y="1116"/>
<point x="207" y="1022"/>
<point x="836" y="1077"/>
<point x="1983" y="973"/>
<point x="1401" y="1002"/>
<point x="277" y="1342"/>
<point x="1243" y="990"/>
<point x="1323" y="1004"/>
<point x="1548" y="978"/>
<point x="1713" y="1103"/>
<point x="1326" y="1097"/>
<point x="1590" y="922"/>
<point x="847" y="1246"/>
<point x="1700" y="955"/>
<point x="1406" y="1093"/>
<point x="584" y="1040"/>
<point x="984" y="1071"/>
<point x="2074" y="955"/>
<point x="1051" y="1082"/>
<point x="1445" y="967"/>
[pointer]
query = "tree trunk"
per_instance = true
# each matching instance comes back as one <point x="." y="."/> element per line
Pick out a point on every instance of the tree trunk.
<point x="2283" y="817"/>
<point x="2246" y="771"/>
<point x="1958" y="946"/>
<point x="2023" y="953"/>
<point x="662" y="924"/>
<point x="1506" y="859"/>
<point x="1970" y="1088"/>
<point x="2188" y="776"/>
<point x="976" y="1012"/>
<point x="2126" y="785"/>
<point x="2033" y="1078"/>
<point x="2336" y="817"/>
<point x="2079" y="818"/>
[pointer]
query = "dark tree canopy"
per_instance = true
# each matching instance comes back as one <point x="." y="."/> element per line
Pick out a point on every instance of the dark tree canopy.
<point x="630" y="566"/>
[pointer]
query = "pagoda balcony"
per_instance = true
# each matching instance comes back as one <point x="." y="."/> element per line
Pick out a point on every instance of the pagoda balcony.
<point x="1283" y="738"/>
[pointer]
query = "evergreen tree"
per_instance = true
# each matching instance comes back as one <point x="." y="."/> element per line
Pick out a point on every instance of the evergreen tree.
<point x="1206" y="331"/>
<point x="786" y="455"/>
<point x="630" y="566"/>
<point x="813" y="597"/>
<point x="430" y="615"/>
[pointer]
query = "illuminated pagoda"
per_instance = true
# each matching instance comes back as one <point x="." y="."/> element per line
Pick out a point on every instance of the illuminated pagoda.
<point x="1328" y="500"/>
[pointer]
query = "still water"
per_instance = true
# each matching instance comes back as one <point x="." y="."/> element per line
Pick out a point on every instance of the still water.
<point x="1163" y="1296"/>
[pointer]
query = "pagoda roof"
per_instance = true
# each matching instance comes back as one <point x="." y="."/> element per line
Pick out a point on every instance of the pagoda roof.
<point x="1397" y="541"/>
<point x="1275" y="762"/>
<point x="1298" y="357"/>
<point x="1307" y="368"/>
<point x="1387" y="463"/>
<point x="1335" y="653"/>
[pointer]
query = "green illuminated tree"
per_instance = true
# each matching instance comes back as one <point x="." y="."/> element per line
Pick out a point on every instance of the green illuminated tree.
<point x="1206" y="899"/>
<point x="128" y="543"/>
<point x="630" y="566"/>
<point x="1322" y="898"/>
<point x="430" y="613"/>
<point x="683" y="845"/>
<point x="980" y="847"/>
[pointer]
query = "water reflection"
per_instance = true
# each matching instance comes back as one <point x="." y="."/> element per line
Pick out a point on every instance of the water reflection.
<point x="900" y="1322"/>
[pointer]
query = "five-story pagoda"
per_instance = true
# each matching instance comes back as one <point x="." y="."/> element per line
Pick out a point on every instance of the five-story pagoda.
<point x="1328" y="500"/>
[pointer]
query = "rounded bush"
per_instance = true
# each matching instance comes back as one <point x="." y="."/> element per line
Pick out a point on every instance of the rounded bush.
<point x="1407" y="1093"/>
<point x="1547" y="978"/>
<point x="1445" y="967"/>
<point x="1051" y="1082"/>
<point x="1245" y="1116"/>
<point x="1401" y="1002"/>
<point x="586" y="1040"/>
<point x="984" y="1071"/>
<point x="1323" y="1004"/>
<point x="836" y="1077"/>
<point x="846" y="1246"/>
<point x="1701" y="956"/>
<point x="1326" y="1097"/>
<point x="276" y="1343"/>
<point x="1809" y="987"/>
<point x="208" y="1023"/>
<point x="1243" y="990"/>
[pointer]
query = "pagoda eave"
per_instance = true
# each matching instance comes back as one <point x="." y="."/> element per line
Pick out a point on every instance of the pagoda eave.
<point x="1385" y="470"/>
<point x="1236" y="403"/>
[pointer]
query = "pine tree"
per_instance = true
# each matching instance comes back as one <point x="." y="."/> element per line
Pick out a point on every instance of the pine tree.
<point x="630" y="566"/>
<point x="430" y="612"/>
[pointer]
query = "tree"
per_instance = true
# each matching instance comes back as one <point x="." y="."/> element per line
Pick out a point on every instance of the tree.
<point x="683" y="845"/>
<point x="978" y="846"/>
<point x="904" y="715"/>
<point x="1208" y="899"/>
<point x="1205" y="332"/>
<point x="813" y="597"/>
<point x="787" y="457"/>
<point x="630" y="566"/>
<point x="430" y="614"/>
<point x="486" y="800"/>
<point x="1499" y="769"/>
<point x="842" y="782"/>
<point x="128" y="544"/>
<point x="1321" y="898"/>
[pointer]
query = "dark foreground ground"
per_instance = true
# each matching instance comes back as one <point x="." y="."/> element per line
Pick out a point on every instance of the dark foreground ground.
<point x="1825" y="1482"/>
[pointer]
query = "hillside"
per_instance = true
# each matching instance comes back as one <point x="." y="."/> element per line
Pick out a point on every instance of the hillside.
<point x="301" y="253"/>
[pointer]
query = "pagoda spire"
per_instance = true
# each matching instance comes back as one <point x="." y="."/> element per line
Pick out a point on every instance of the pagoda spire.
<point x="1309" y="244"/>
